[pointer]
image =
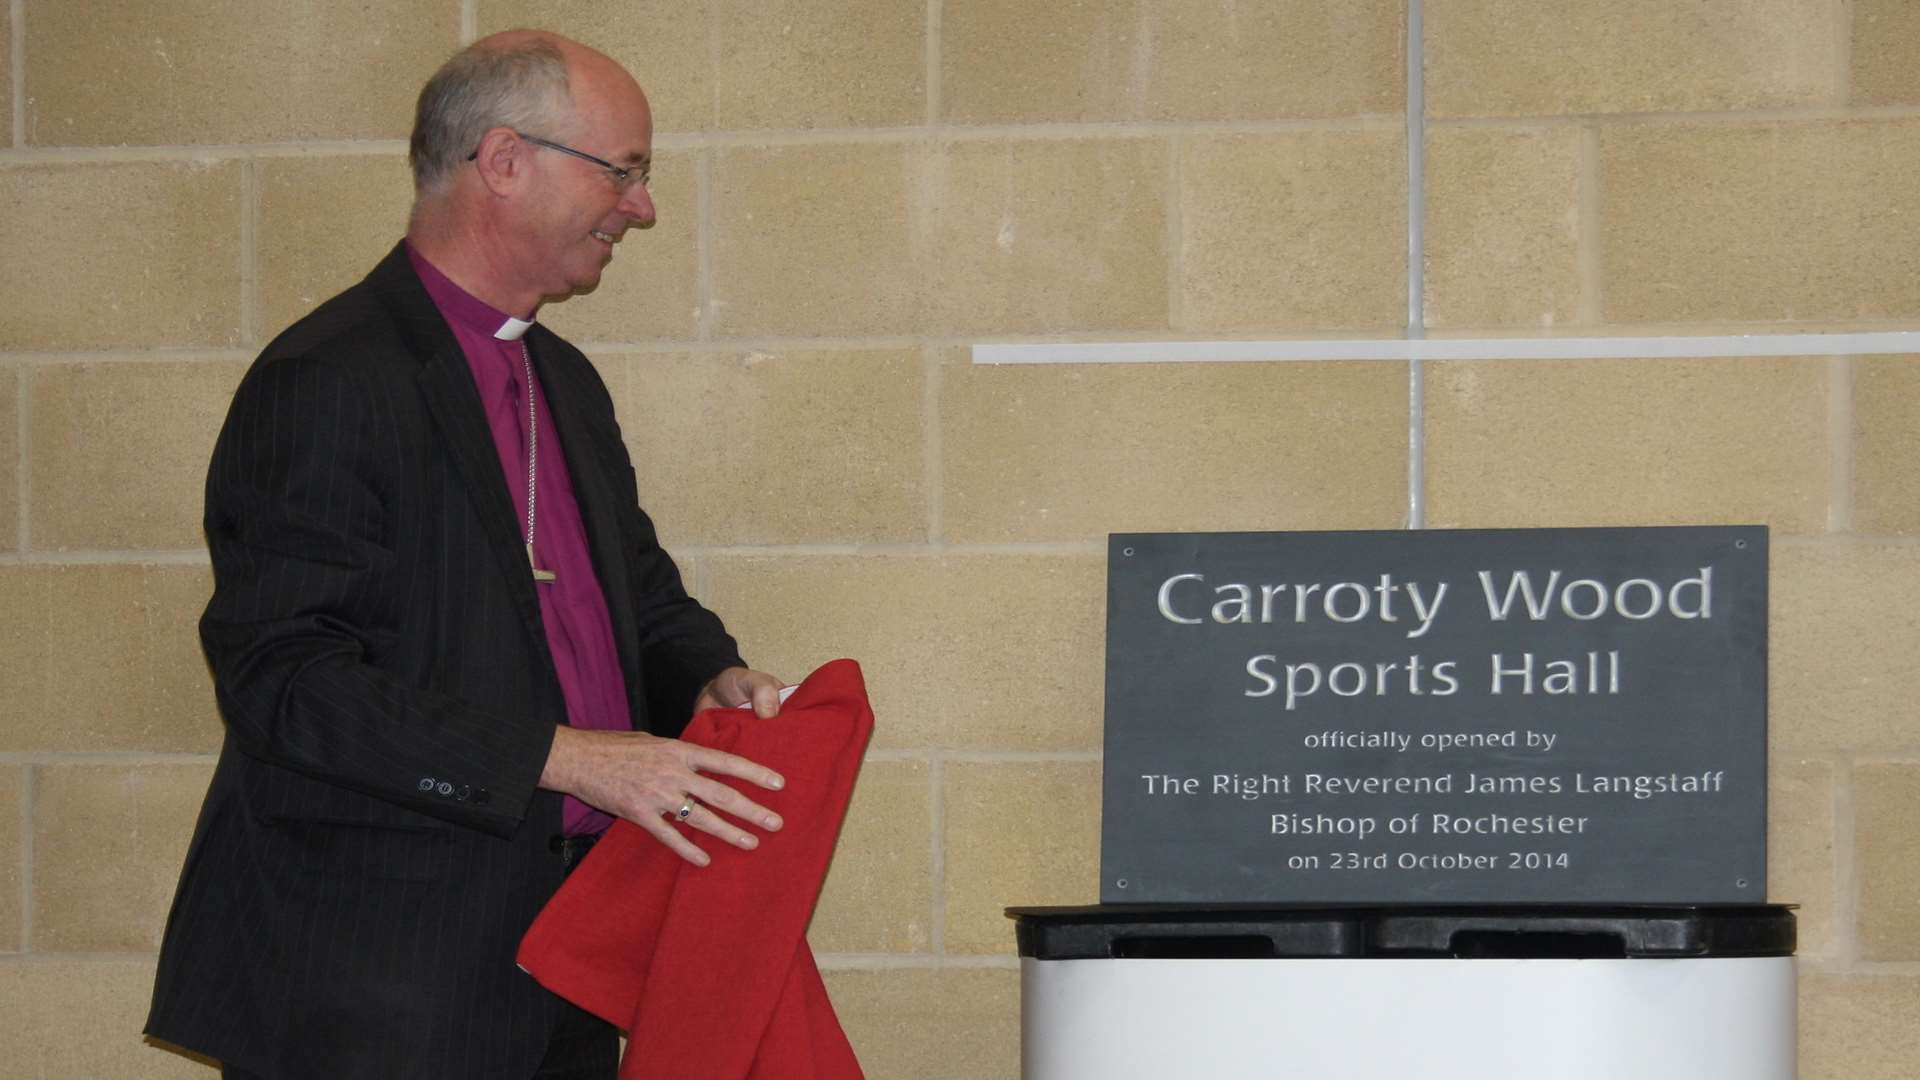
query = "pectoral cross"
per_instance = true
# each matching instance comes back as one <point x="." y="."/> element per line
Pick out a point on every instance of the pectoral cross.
<point x="540" y="577"/>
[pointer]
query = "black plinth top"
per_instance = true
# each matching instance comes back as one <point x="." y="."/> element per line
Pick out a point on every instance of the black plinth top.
<point x="1530" y="931"/>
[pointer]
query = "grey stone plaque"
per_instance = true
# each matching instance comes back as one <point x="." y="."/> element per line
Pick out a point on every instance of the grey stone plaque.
<point x="1474" y="716"/>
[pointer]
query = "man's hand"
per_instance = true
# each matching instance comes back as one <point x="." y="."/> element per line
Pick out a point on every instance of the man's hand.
<point x="645" y="778"/>
<point x="737" y="688"/>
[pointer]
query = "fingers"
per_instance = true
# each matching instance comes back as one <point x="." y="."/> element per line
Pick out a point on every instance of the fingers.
<point x="715" y="795"/>
<point x="675" y="840"/>
<point x="702" y="813"/>
<point x="704" y="819"/>
<point x="702" y="759"/>
<point x="740" y="688"/>
<point x="766" y="698"/>
<point x="647" y="780"/>
<point x="716" y="807"/>
<point x="724" y="691"/>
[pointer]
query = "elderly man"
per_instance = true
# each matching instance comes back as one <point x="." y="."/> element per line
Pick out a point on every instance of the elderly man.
<point x="447" y="646"/>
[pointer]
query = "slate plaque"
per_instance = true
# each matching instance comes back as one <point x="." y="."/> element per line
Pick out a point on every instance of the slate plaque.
<point x="1516" y="715"/>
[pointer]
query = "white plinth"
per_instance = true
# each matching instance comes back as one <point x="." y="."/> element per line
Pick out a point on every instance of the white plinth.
<point x="1397" y="1019"/>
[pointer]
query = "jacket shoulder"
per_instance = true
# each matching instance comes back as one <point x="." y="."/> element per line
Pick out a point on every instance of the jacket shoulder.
<point x="355" y="326"/>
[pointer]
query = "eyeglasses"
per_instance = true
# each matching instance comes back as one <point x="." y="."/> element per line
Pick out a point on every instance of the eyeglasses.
<point x="622" y="178"/>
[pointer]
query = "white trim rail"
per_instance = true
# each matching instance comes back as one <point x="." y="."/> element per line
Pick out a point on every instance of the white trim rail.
<point x="1540" y="348"/>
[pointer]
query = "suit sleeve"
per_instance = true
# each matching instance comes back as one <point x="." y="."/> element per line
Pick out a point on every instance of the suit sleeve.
<point x="299" y="520"/>
<point x="682" y="644"/>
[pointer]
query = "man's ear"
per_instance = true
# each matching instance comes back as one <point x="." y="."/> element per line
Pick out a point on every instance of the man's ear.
<point x="501" y="159"/>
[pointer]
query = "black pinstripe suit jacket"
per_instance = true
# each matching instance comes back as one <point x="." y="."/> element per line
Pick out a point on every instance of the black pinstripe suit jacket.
<point x="372" y="843"/>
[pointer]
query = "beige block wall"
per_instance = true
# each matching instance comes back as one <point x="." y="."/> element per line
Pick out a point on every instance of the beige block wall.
<point x="110" y="72"/>
<point x="1005" y="61"/>
<point x="1518" y="58"/>
<point x="851" y="193"/>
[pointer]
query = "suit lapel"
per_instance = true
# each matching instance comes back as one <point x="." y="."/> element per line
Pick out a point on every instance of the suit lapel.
<point x="447" y="387"/>
<point x="599" y="505"/>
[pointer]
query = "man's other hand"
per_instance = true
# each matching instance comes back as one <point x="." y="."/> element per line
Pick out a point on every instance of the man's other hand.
<point x="738" y="688"/>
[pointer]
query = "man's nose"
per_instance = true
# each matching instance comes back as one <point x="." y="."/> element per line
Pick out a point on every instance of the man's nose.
<point x="637" y="204"/>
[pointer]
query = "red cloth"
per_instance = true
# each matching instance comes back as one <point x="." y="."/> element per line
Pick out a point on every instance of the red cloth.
<point x="707" y="968"/>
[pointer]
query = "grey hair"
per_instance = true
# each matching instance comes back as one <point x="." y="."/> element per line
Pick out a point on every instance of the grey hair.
<point x="522" y="86"/>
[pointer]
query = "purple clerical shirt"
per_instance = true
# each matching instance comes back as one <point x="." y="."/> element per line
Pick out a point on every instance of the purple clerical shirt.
<point x="579" y="632"/>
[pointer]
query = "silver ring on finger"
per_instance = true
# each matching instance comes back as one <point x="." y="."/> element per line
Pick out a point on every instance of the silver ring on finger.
<point x="686" y="809"/>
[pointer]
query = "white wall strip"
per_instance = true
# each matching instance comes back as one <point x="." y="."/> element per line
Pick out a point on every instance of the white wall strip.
<point x="1416" y="173"/>
<point x="1416" y="263"/>
<point x="1550" y="348"/>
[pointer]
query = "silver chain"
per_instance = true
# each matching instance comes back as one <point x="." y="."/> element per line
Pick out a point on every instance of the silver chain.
<point x="533" y="440"/>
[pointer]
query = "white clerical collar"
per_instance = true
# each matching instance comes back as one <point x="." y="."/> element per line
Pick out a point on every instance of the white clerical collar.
<point x="512" y="329"/>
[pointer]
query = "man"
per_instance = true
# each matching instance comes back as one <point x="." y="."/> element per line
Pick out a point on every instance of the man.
<point x="446" y="643"/>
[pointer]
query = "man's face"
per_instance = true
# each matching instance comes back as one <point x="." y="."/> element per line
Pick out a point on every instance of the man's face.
<point x="576" y="211"/>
